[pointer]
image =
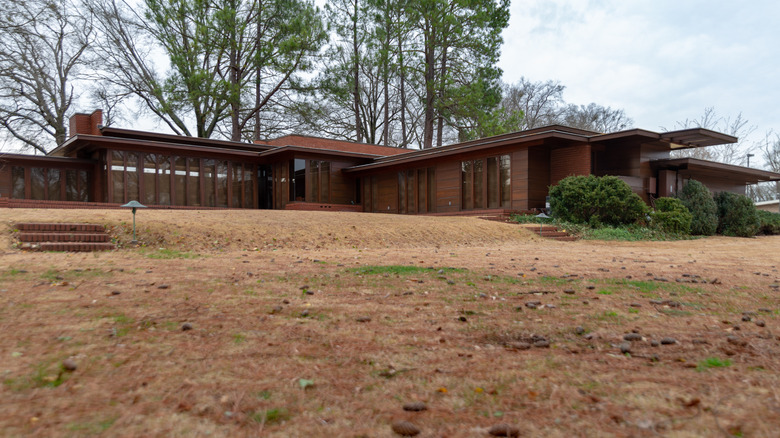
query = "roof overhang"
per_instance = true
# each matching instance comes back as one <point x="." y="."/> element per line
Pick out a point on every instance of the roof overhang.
<point x="696" y="137"/>
<point x="715" y="169"/>
<point x="83" y="141"/>
<point x="445" y="151"/>
<point x="315" y="151"/>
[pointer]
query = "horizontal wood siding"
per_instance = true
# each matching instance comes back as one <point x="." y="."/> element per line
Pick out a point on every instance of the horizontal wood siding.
<point x="520" y="180"/>
<point x="342" y="187"/>
<point x="448" y="185"/>
<point x="387" y="193"/>
<point x="568" y="161"/>
<point x="5" y="181"/>
<point x="538" y="176"/>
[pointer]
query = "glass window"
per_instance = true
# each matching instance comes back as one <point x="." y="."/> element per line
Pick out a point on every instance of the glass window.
<point x="209" y="195"/>
<point x="180" y="181"/>
<point x="164" y="180"/>
<point x="249" y="186"/>
<point x="493" y="188"/>
<point x="150" y="177"/>
<point x="17" y="182"/>
<point x="193" y="182"/>
<point x="505" y="180"/>
<point x="222" y="183"/>
<point x="297" y="180"/>
<point x="313" y="181"/>
<point x="132" y="171"/>
<point x="467" y="176"/>
<point x="479" y="185"/>
<point x="37" y="183"/>
<point x="118" y="176"/>
<point x="236" y="185"/>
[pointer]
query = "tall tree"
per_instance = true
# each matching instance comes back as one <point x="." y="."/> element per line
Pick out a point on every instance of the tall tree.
<point x="42" y="53"/>
<point x="460" y="44"/>
<point x="540" y="103"/>
<point x="230" y="60"/>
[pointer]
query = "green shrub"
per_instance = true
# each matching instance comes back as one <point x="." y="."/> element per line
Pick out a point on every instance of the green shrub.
<point x="671" y="216"/>
<point x="606" y="200"/>
<point x="768" y="223"/>
<point x="698" y="200"/>
<point x="737" y="215"/>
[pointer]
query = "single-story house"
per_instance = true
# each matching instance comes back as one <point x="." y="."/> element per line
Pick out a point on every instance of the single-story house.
<point x="102" y="166"/>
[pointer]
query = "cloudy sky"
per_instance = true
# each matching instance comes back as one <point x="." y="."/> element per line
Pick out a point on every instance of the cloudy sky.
<point x="662" y="61"/>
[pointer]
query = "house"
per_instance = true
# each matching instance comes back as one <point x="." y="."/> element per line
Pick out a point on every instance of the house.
<point x="106" y="166"/>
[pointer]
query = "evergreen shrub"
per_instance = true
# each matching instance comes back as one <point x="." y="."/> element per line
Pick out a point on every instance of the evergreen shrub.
<point x="699" y="201"/>
<point x="737" y="216"/>
<point x="596" y="201"/>
<point x="671" y="216"/>
<point x="768" y="223"/>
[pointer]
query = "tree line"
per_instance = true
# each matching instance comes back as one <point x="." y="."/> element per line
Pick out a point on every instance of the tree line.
<point x="403" y="73"/>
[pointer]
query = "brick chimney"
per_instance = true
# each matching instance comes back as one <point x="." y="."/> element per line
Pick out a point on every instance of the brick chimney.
<point x="81" y="123"/>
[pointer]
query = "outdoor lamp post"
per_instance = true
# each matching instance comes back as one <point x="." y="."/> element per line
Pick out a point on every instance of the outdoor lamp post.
<point x="541" y="216"/>
<point x="134" y="205"/>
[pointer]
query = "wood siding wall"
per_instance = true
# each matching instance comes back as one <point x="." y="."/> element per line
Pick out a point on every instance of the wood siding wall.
<point x="448" y="187"/>
<point x="568" y="161"/>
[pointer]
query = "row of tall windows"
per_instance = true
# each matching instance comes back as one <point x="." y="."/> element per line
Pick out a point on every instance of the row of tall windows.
<point x="309" y="180"/>
<point x="50" y="184"/>
<point x="417" y="191"/>
<point x="172" y="180"/>
<point x="486" y="183"/>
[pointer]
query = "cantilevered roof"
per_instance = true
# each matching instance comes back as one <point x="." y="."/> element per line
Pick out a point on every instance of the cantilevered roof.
<point x="697" y="137"/>
<point x="715" y="169"/>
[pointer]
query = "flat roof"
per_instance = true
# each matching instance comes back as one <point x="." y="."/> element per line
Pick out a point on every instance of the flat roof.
<point x="748" y="174"/>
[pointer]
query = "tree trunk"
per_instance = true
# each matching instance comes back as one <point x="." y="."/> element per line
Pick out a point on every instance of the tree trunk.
<point x="442" y="88"/>
<point x="429" y="42"/>
<point x="356" y="75"/>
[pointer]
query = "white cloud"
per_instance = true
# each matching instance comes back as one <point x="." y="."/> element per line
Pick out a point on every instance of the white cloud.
<point x="662" y="61"/>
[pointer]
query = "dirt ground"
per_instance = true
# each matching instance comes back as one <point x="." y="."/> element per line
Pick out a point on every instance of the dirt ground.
<point x="298" y="324"/>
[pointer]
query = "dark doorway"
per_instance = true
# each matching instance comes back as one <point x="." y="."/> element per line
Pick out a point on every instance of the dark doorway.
<point x="265" y="187"/>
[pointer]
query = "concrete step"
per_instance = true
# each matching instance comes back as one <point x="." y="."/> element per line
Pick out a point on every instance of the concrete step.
<point x="64" y="237"/>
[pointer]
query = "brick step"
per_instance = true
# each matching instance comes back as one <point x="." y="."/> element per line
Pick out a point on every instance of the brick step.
<point x="73" y="228"/>
<point x="72" y="246"/>
<point x="82" y="236"/>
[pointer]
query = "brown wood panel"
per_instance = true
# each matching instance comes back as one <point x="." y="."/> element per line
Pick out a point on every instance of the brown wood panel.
<point x="387" y="192"/>
<point x="448" y="186"/>
<point x="519" y="169"/>
<point x="568" y="161"/>
<point x="538" y="176"/>
<point x="342" y="186"/>
<point x="5" y="181"/>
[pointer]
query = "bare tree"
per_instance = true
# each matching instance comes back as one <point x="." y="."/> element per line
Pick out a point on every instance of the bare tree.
<point x="734" y="153"/>
<point x="540" y="102"/>
<point x="41" y="56"/>
<point x="597" y="118"/>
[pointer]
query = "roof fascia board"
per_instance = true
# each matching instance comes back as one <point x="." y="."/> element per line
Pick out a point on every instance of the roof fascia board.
<point x="461" y="148"/>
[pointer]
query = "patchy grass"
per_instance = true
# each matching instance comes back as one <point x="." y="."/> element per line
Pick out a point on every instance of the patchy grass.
<point x="308" y="336"/>
<point x="712" y="362"/>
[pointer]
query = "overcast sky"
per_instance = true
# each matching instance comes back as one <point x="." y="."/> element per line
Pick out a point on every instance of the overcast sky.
<point x="661" y="60"/>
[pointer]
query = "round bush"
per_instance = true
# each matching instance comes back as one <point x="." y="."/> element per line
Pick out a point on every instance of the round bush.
<point x="737" y="215"/>
<point x="606" y="200"/>
<point x="769" y="223"/>
<point x="671" y="216"/>
<point x="698" y="200"/>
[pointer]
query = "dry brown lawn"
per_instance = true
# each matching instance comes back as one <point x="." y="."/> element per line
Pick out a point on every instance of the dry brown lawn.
<point x="326" y="324"/>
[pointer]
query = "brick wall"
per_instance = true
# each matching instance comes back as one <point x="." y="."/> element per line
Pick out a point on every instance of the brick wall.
<point x="81" y="123"/>
<point x="35" y="203"/>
